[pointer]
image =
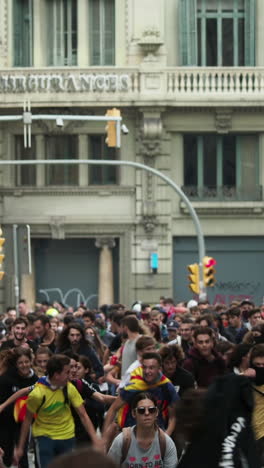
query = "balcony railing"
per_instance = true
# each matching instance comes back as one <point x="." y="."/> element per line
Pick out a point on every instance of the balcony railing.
<point x="133" y="85"/>
<point x="214" y="81"/>
<point x="224" y="193"/>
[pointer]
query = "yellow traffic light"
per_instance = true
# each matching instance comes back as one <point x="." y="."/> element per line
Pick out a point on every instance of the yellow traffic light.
<point x="194" y="278"/>
<point x="209" y="271"/>
<point x="111" y="133"/>
<point x="2" y="256"/>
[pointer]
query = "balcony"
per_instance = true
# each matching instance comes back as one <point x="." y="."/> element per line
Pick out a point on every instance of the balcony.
<point x="132" y="86"/>
<point x="224" y="193"/>
<point x="225" y="201"/>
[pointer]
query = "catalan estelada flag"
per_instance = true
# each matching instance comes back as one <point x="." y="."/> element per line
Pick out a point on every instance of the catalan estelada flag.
<point x="137" y="384"/>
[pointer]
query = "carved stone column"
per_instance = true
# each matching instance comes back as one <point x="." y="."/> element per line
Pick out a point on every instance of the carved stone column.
<point x="106" y="276"/>
<point x="150" y="147"/>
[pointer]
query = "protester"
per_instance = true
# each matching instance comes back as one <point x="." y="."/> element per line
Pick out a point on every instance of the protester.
<point x="144" y="442"/>
<point x="53" y="428"/>
<point x="172" y="357"/>
<point x="204" y="363"/>
<point x="148" y="377"/>
<point x="72" y="338"/>
<point x="257" y="364"/>
<point x="216" y="425"/>
<point x="18" y="375"/>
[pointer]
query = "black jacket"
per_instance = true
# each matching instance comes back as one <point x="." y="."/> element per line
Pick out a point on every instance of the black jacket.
<point x="226" y="436"/>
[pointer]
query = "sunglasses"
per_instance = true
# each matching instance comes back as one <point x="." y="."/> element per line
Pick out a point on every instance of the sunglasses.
<point x="142" y="410"/>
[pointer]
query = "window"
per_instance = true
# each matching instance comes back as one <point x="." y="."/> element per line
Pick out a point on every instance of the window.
<point x="62" y="147"/>
<point x="102" y="27"/>
<point x="221" y="167"/>
<point x="22" y="33"/>
<point x="101" y="175"/>
<point x="25" y="175"/>
<point x="218" y="32"/>
<point x="62" y="32"/>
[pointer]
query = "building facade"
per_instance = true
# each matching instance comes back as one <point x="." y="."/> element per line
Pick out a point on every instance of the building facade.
<point x="188" y="77"/>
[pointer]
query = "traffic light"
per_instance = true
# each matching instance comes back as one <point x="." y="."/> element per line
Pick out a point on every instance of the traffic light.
<point x="111" y="128"/>
<point x="2" y="256"/>
<point x="209" y="271"/>
<point x="194" y="278"/>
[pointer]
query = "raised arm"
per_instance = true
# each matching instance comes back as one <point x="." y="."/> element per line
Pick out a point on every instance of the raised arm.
<point x="19" y="450"/>
<point x="14" y="397"/>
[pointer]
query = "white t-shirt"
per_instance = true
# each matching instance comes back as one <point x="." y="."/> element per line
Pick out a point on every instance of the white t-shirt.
<point x="129" y="355"/>
<point x="141" y="458"/>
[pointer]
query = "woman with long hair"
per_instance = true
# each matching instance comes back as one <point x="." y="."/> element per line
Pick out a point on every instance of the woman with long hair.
<point x="144" y="444"/>
<point x="93" y="337"/>
<point x="18" y="375"/>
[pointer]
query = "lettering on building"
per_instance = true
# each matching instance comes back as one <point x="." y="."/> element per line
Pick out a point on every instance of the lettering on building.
<point x="68" y="82"/>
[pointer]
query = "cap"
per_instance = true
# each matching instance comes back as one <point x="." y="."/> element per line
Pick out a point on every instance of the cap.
<point x="192" y="303"/>
<point x="136" y="307"/>
<point x="172" y="325"/>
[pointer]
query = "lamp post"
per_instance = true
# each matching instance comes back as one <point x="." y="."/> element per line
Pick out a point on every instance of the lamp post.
<point x="176" y="188"/>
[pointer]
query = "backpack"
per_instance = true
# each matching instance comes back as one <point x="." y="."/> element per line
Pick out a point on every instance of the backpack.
<point x="65" y="394"/>
<point x="126" y="431"/>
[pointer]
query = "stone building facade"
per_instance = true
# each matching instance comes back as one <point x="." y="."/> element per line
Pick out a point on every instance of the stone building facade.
<point x="188" y="78"/>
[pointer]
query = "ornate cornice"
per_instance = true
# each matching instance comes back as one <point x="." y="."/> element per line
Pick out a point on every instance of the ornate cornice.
<point x="81" y="230"/>
<point x="97" y="191"/>
<point x="57" y="226"/>
<point x="108" y="242"/>
<point x="223" y="120"/>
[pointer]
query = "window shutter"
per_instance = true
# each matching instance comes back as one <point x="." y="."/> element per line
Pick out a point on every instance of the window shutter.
<point x="109" y="32"/>
<point x="62" y="32"/>
<point x="102" y="31"/>
<point x="188" y="32"/>
<point x="250" y="12"/>
<point x="95" y="31"/>
<point x="22" y="36"/>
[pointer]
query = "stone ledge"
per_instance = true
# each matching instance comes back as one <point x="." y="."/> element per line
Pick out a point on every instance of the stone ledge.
<point x="226" y="208"/>
<point x="100" y="191"/>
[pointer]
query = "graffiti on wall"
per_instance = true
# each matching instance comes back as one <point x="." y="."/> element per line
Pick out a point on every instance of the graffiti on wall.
<point x="72" y="297"/>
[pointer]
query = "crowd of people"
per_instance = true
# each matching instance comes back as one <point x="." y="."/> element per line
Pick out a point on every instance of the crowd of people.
<point x="160" y="385"/>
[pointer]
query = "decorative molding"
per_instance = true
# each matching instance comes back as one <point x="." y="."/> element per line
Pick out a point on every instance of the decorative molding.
<point x="57" y="227"/>
<point x="150" y="134"/>
<point x="150" y="42"/>
<point x="151" y="125"/>
<point x="223" y="120"/>
<point x="149" y="223"/>
<point x="79" y="230"/>
<point x="234" y="209"/>
<point x="108" y="242"/>
<point x="95" y="191"/>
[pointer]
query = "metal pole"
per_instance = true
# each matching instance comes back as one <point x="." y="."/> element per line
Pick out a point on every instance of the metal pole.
<point x="29" y="249"/>
<point x="16" y="279"/>
<point x="176" y="188"/>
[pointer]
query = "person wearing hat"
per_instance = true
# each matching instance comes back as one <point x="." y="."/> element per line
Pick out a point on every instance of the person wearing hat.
<point x="172" y="327"/>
